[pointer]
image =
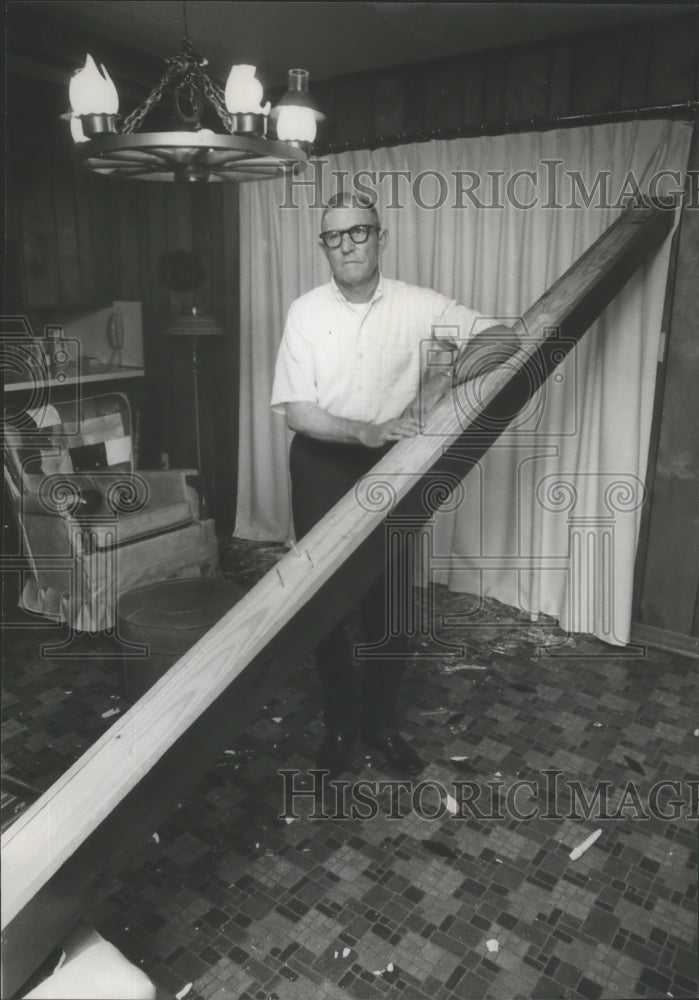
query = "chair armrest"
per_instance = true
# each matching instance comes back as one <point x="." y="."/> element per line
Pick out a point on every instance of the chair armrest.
<point x="59" y="494"/>
<point x="173" y="485"/>
<point x="77" y="494"/>
<point x="120" y="491"/>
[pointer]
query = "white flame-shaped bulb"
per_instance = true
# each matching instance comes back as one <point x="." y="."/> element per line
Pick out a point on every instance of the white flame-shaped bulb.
<point x="92" y="91"/>
<point x="296" y="124"/>
<point x="244" y="92"/>
<point x="76" y="129"/>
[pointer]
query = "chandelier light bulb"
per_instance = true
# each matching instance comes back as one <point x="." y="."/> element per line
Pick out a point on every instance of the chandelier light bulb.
<point x="110" y="93"/>
<point x="244" y="93"/>
<point x="296" y="124"/>
<point x="92" y="91"/>
<point x="76" y="129"/>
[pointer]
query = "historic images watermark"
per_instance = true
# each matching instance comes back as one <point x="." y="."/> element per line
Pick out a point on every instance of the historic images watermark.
<point x="548" y="796"/>
<point x="549" y="186"/>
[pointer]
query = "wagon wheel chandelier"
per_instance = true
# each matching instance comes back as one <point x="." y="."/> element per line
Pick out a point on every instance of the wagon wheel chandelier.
<point x="115" y="146"/>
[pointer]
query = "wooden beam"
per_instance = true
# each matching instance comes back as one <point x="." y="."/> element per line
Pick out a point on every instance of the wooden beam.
<point x="83" y="827"/>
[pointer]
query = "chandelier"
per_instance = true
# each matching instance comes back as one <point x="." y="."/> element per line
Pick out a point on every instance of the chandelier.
<point x="255" y="143"/>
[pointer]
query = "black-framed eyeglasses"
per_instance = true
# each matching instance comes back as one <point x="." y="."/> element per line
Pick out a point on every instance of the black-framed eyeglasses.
<point x="358" y="234"/>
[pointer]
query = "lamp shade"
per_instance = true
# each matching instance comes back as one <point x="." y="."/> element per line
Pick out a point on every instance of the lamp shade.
<point x="194" y="324"/>
<point x="297" y="96"/>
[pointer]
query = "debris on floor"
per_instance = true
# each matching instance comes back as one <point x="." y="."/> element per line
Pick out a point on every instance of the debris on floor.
<point x="235" y="902"/>
<point x="578" y="851"/>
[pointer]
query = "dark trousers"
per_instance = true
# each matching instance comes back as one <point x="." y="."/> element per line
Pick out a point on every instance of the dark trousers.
<point x="321" y="473"/>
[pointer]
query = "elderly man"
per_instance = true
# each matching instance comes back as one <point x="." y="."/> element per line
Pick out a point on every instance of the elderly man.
<point x="347" y="379"/>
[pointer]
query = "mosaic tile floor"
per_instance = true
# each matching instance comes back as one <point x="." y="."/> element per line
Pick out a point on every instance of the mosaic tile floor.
<point x="232" y="901"/>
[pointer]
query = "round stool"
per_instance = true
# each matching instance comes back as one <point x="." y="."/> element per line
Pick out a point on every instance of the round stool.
<point x="168" y="617"/>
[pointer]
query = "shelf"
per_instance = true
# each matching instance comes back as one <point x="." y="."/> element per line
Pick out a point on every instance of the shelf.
<point x="108" y="375"/>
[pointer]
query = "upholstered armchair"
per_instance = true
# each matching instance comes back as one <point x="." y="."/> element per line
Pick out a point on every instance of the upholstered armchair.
<point x="93" y="527"/>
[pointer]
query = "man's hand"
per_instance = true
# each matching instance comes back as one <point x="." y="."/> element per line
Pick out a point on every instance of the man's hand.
<point x="479" y="356"/>
<point x="376" y="435"/>
<point x="308" y="418"/>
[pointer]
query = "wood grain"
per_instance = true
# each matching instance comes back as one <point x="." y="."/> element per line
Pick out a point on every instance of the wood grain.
<point x="526" y="94"/>
<point x="46" y="837"/>
<point x="389" y="106"/>
<point x="66" y="225"/>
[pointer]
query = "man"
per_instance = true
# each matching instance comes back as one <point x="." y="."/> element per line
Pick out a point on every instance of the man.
<point x="347" y="379"/>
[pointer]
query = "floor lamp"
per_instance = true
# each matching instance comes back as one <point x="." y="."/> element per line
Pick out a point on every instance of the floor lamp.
<point x="195" y="324"/>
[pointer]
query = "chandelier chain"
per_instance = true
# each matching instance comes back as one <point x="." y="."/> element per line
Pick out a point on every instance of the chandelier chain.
<point x="132" y="121"/>
<point x="217" y="97"/>
<point x="188" y="65"/>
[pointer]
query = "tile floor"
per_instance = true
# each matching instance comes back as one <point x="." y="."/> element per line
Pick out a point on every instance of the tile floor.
<point x="235" y="901"/>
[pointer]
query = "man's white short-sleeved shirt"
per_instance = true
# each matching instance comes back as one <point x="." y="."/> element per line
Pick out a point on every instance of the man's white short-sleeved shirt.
<point x="361" y="361"/>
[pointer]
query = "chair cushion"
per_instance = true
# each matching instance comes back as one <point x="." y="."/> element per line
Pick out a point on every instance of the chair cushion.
<point x="133" y="527"/>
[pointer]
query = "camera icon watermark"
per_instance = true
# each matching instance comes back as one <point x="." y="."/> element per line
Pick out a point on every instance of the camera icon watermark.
<point x="534" y="403"/>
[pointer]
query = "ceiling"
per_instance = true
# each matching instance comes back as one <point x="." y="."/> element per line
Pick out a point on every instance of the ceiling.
<point x="332" y="39"/>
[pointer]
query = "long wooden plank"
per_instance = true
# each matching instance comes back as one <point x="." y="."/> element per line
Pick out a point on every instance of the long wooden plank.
<point x="132" y="777"/>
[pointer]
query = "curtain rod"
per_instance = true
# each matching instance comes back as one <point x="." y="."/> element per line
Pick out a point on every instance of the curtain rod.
<point x="690" y="108"/>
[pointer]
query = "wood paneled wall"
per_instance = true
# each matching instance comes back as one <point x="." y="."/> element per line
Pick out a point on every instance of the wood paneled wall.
<point x="647" y="64"/>
<point x="85" y="241"/>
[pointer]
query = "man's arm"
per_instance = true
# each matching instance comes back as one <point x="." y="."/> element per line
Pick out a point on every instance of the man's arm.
<point x="479" y="355"/>
<point x="311" y="419"/>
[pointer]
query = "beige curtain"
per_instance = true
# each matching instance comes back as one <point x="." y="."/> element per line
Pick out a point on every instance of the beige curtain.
<point x="551" y="516"/>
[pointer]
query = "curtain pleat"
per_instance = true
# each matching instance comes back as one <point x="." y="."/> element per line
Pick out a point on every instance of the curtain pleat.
<point x="551" y="516"/>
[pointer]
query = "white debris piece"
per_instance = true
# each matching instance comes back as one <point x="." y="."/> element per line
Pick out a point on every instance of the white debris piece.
<point x="380" y="972"/>
<point x="184" y="991"/>
<point x="451" y="804"/>
<point x="696" y="731"/>
<point x="345" y="952"/>
<point x="492" y="945"/>
<point x="336" y="954"/>
<point x="110" y="712"/>
<point x="276" y="718"/>
<point x="587" y="843"/>
<point x="289" y="819"/>
<point x="457" y="759"/>
<point x="155" y="837"/>
<point x="449" y="669"/>
<point x="231" y="752"/>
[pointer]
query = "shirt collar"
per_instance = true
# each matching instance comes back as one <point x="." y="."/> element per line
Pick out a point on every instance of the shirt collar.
<point x="378" y="292"/>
